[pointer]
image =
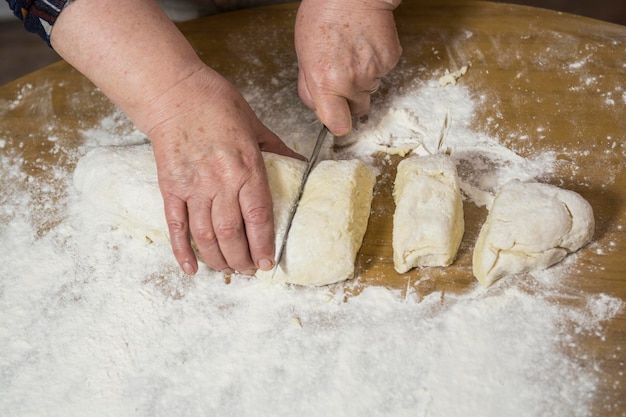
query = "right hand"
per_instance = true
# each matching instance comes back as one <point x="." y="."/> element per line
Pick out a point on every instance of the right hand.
<point x="344" y="48"/>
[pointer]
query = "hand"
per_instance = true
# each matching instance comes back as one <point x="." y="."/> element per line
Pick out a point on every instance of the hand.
<point x="344" y="47"/>
<point x="207" y="144"/>
<point x="206" y="138"/>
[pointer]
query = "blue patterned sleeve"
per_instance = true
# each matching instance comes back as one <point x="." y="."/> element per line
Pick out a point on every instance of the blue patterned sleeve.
<point x="38" y="15"/>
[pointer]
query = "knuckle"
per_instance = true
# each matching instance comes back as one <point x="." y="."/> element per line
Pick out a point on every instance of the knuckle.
<point x="177" y="227"/>
<point x="204" y="236"/>
<point x="228" y="231"/>
<point x="258" y="215"/>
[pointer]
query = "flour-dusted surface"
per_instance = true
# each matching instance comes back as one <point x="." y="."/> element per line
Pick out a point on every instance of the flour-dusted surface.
<point x="95" y="322"/>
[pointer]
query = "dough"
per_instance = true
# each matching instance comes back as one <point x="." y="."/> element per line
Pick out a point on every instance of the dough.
<point x="530" y="226"/>
<point x="121" y="182"/>
<point x="329" y="225"/>
<point x="428" y="222"/>
<point x="452" y="77"/>
<point x="284" y="176"/>
<point x="327" y="231"/>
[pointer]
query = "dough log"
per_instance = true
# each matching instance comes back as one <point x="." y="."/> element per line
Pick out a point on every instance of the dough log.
<point x="530" y="226"/>
<point x="121" y="182"/>
<point x="428" y="221"/>
<point x="328" y="228"/>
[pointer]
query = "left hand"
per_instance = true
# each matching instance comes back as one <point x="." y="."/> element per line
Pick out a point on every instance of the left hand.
<point x="344" y="47"/>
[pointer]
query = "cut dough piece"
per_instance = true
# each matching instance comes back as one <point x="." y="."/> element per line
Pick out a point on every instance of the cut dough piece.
<point x="428" y="222"/>
<point x="121" y="182"/>
<point x="329" y="225"/>
<point x="531" y="226"/>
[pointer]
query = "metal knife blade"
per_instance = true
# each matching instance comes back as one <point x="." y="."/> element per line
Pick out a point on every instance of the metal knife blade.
<point x="294" y="207"/>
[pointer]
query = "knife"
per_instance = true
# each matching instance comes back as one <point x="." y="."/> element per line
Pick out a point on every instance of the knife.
<point x="294" y="207"/>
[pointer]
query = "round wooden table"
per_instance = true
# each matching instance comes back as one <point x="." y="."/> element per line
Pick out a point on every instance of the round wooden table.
<point x="560" y="79"/>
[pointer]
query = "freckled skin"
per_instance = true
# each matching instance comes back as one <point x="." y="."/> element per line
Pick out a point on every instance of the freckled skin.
<point x="214" y="183"/>
<point x="356" y="44"/>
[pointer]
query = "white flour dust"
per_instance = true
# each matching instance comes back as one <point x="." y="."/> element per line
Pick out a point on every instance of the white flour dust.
<point x="439" y="120"/>
<point x="94" y="322"/>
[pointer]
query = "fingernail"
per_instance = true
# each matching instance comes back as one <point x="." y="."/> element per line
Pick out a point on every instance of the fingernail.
<point x="266" y="264"/>
<point x="227" y="271"/>
<point x="189" y="270"/>
<point x="249" y="272"/>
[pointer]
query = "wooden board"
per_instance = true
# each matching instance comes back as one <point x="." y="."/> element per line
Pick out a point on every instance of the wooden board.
<point x="557" y="77"/>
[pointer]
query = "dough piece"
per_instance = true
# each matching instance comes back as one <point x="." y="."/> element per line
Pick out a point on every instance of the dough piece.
<point x="531" y="226"/>
<point x="328" y="227"/>
<point x="452" y="77"/>
<point x="428" y="222"/>
<point x="284" y="176"/>
<point x="121" y="182"/>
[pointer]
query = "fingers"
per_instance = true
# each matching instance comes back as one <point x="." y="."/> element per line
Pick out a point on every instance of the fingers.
<point x="204" y="236"/>
<point x="233" y="230"/>
<point x="303" y="90"/>
<point x="176" y="216"/>
<point x="334" y="112"/>
<point x="243" y="224"/>
<point x="230" y="235"/>
<point x="258" y="217"/>
<point x="335" y="109"/>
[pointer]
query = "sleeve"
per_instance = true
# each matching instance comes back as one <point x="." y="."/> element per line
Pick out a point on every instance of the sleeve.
<point x="38" y="15"/>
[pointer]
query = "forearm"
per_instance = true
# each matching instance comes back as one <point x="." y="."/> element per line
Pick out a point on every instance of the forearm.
<point x="130" y="50"/>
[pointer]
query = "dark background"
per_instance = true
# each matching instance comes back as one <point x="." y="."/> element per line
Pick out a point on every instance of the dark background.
<point x="22" y="52"/>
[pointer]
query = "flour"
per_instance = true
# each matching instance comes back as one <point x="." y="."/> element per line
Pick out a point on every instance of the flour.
<point x="94" y="322"/>
<point x="439" y="119"/>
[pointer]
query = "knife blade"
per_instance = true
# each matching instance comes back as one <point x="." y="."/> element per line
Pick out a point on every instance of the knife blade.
<point x="292" y="212"/>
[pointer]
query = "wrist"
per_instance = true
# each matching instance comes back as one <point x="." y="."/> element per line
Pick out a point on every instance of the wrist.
<point x="202" y="88"/>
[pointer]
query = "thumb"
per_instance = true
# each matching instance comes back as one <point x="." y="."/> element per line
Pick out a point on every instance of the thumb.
<point x="334" y="112"/>
<point x="331" y="109"/>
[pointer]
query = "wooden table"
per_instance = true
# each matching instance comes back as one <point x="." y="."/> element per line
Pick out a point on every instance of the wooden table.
<point x="558" y="77"/>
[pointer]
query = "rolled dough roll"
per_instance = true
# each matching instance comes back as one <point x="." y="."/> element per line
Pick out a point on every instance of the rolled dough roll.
<point x="428" y="221"/>
<point x="328" y="227"/>
<point x="530" y="226"/>
<point x="121" y="182"/>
